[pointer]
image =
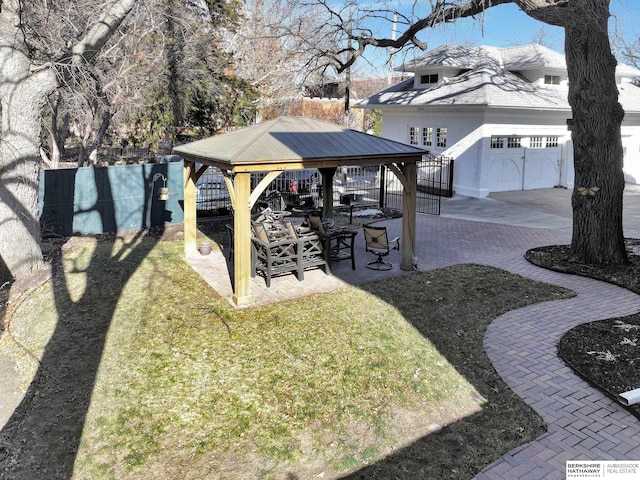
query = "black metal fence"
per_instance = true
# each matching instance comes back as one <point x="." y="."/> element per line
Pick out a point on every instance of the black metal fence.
<point x="369" y="185"/>
<point x="435" y="180"/>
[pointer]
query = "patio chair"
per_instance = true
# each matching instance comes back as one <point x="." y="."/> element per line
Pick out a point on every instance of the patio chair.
<point x="319" y="224"/>
<point x="281" y="252"/>
<point x="310" y="246"/>
<point x="272" y="256"/>
<point x="378" y="243"/>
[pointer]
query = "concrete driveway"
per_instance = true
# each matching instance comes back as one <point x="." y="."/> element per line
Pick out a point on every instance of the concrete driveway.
<point x="542" y="208"/>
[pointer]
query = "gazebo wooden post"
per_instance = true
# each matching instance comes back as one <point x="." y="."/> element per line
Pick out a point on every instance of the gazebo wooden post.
<point x="190" y="220"/>
<point x="327" y="190"/>
<point x="409" y="204"/>
<point x="242" y="239"/>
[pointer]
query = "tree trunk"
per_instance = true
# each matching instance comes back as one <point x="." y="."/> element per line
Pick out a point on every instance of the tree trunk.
<point x="599" y="181"/>
<point x="22" y="106"/>
<point x="22" y="96"/>
<point x="93" y="150"/>
<point x="24" y="89"/>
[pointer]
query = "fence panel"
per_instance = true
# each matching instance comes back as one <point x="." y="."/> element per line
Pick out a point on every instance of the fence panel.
<point x="110" y="199"/>
<point x="363" y="182"/>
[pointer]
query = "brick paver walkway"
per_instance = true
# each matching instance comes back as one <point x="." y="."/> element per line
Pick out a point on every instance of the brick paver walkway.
<point x="522" y="345"/>
<point x="583" y="424"/>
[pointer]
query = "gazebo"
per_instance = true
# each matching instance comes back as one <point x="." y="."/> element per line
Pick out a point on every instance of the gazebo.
<point x="289" y="143"/>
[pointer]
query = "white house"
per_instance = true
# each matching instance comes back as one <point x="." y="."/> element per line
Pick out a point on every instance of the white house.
<point x="501" y="113"/>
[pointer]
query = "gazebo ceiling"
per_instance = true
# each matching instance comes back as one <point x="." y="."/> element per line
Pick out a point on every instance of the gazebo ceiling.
<point x="293" y="143"/>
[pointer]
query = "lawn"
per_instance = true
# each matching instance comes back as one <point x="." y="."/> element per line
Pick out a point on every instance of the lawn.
<point x="135" y="369"/>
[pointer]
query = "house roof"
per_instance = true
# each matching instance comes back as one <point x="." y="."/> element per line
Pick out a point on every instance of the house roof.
<point x="526" y="57"/>
<point x="485" y="86"/>
<point x="294" y="142"/>
<point x="489" y="79"/>
<point x="457" y="56"/>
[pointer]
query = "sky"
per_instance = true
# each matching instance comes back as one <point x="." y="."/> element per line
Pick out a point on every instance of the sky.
<point x="505" y="26"/>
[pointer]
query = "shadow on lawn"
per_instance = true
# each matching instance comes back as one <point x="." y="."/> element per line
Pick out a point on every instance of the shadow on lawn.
<point x="464" y="448"/>
<point x="55" y="406"/>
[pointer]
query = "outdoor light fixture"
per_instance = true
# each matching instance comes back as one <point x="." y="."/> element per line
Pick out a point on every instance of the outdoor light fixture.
<point x="163" y="193"/>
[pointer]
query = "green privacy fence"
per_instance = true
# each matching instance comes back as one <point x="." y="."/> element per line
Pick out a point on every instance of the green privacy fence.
<point x="89" y="200"/>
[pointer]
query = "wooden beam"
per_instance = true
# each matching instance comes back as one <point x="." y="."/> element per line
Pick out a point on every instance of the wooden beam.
<point x="327" y="190"/>
<point x="228" y="180"/>
<point x="397" y="169"/>
<point x="190" y="220"/>
<point x="262" y="186"/>
<point x="409" y="203"/>
<point x="242" y="240"/>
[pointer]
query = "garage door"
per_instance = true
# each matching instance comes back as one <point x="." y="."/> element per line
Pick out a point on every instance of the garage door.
<point x="514" y="166"/>
<point x="541" y="167"/>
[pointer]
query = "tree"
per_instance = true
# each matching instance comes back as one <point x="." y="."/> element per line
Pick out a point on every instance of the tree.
<point x="593" y="96"/>
<point x="28" y="78"/>
<point x="193" y="85"/>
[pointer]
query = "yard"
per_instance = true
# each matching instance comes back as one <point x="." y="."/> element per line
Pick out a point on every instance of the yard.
<point x="134" y="368"/>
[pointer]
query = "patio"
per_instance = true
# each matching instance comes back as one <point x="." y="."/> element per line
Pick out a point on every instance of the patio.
<point x="218" y="272"/>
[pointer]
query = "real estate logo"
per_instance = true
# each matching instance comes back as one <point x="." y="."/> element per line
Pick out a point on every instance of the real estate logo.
<point x="612" y="470"/>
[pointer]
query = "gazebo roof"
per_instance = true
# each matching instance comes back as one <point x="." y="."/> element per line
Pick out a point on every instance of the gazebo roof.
<point x="292" y="143"/>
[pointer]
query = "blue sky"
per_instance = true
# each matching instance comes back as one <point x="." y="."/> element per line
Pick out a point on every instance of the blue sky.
<point x="505" y="26"/>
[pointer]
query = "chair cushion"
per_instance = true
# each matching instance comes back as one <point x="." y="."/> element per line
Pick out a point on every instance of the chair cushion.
<point x="260" y="231"/>
<point x="316" y="223"/>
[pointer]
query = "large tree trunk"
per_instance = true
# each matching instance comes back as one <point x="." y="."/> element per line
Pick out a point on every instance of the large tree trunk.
<point x="24" y="89"/>
<point x="597" y="116"/>
<point x="599" y="181"/>
<point x="22" y="96"/>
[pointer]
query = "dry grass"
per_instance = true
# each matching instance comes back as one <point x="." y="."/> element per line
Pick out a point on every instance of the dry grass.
<point x="143" y="372"/>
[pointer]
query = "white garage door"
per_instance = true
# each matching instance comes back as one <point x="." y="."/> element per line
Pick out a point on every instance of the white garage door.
<point x="541" y="167"/>
<point x="514" y="166"/>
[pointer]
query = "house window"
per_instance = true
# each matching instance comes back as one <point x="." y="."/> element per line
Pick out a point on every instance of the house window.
<point x="497" y="142"/>
<point x="413" y="135"/>
<point x="441" y="137"/>
<point x="552" y="141"/>
<point x="536" y="142"/>
<point x="427" y="136"/>
<point x="552" y="79"/>
<point x="513" y="142"/>
<point x="430" y="78"/>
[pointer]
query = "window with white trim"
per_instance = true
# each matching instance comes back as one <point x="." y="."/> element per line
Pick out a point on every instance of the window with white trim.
<point x="514" y="142"/>
<point x="427" y="136"/>
<point x="497" y="142"/>
<point x="441" y="137"/>
<point x="429" y="78"/>
<point x="552" y="141"/>
<point x="413" y="135"/>
<point x="537" y="142"/>
<point x="552" y="79"/>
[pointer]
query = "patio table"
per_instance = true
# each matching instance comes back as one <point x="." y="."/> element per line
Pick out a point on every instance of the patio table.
<point x="338" y="245"/>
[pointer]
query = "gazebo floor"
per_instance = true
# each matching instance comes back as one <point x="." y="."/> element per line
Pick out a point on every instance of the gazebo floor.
<point x="218" y="272"/>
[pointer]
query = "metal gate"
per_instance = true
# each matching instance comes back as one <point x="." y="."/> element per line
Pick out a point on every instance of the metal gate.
<point x="435" y="180"/>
